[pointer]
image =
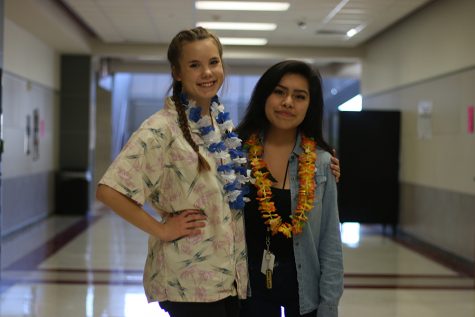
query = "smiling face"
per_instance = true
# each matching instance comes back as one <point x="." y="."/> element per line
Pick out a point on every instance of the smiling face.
<point x="201" y="71"/>
<point x="287" y="104"/>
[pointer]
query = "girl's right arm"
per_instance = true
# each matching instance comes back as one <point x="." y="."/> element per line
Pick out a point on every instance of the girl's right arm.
<point x="185" y="224"/>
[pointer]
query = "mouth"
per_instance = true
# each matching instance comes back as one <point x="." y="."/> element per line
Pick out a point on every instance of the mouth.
<point x="207" y="84"/>
<point x="284" y="114"/>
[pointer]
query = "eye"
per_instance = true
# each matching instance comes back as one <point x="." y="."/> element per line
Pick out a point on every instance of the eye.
<point x="193" y="65"/>
<point x="279" y="92"/>
<point x="301" y="97"/>
<point x="214" y="61"/>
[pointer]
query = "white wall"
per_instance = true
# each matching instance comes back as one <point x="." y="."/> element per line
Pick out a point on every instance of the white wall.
<point x="423" y="51"/>
<point x="430" y="56"/>
<point x="30" y="84"/>
<point x="21" y="98"/>
<point x="27" y="56"/>
<point x="436" y="40"/>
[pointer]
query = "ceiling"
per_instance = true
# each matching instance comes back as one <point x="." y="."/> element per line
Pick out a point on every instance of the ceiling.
<point x="138" y="31"/>
<point x="309" y="23"/>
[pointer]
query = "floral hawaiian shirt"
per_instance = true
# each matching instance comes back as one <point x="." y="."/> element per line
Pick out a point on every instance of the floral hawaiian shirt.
<point x="158" y="166"/>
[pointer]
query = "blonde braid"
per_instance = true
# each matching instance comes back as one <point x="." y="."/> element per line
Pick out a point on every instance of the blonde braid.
<point x="203" y="165"/>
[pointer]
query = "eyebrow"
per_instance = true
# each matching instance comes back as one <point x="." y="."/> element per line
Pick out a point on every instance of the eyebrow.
<point x="295" y="90"/>
<point x="197" y="61"/>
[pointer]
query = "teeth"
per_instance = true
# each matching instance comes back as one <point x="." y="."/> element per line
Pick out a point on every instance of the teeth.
<point x="207" y="84"/>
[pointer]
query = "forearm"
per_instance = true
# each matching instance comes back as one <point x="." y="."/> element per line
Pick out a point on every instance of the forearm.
<point x="129" y="210"/>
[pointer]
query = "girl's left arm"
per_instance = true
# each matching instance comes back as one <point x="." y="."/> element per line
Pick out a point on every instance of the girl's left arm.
<point x="330" y="251"/>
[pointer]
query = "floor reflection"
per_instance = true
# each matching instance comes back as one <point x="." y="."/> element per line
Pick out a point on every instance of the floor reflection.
<point x="135" y="306"/>
<point x="350" y="234"/>
<point x="95" y="269"/>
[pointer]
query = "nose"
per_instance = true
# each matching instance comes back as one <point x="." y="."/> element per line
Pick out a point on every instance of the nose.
<point x="206" y="71"/>
<point x="287" y="101"/>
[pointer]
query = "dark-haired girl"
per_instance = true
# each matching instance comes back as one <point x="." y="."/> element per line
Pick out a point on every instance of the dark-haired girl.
<point x="292" y="225"/>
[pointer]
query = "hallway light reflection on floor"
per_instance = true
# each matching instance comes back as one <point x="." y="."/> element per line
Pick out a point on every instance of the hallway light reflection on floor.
<point x="136" y="305"/>
<point x="350" y="234"/>
<point x="90" y="301"/>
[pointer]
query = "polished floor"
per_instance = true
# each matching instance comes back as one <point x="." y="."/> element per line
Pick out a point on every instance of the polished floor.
<point x="75" y="266"/>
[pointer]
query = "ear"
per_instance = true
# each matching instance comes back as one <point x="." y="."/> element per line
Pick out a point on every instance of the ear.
<point x="176" y="74"/>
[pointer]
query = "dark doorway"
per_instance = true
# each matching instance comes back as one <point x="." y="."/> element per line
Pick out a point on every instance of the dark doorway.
<point x="369" y="152"/>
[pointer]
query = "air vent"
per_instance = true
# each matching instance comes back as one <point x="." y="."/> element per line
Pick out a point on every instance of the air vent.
<point x="330" y="32"/>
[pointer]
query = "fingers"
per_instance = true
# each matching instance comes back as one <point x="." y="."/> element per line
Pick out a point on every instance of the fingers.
<point x="189" y="222"/>
<point x="192" y="224"/>
<point x="335" y="166"/>
<point x="334" y="159"/>
<point x="192" y="216"/>
<point x="337" y="178"/>
<point x="191" y="212"/>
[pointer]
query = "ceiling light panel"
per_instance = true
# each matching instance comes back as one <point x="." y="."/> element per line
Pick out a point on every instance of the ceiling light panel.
<point x="242" y="6"/>
<point x="238" y="26"/>
<point x="242" y="41"/>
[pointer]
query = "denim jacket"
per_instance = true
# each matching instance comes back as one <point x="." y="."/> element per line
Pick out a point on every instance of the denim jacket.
<point x="318" y="250"/>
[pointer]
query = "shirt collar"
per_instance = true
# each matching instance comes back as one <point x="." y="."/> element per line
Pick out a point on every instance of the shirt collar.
<point x="171" y="107"/>
<point x="297" y="148"/>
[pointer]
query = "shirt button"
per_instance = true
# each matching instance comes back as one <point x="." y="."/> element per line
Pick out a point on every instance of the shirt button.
<point x="296" y="243"/>
<point x="299" y="266"/>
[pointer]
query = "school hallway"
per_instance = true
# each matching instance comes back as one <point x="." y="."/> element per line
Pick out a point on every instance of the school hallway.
<point x="92" y="266"/>
<point x="80" y="76"/>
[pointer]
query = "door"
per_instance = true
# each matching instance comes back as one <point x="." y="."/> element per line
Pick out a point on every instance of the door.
<point x="368" y="145"/>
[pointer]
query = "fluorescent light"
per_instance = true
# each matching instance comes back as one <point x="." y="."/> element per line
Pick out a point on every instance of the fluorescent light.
<point x="354" y="104"/>
<point x="238" y="26"/>
<point x="351" y="32"/>
<point x="355" y="30"/>
<point x="242" y="5"/>
<point x="242" y="41"/>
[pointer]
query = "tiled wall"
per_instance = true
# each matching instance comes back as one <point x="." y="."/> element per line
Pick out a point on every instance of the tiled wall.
<point x="442" y="218"/>
<point x="26" y="199"/>
<point x="427" y="59"/>
<point x="437" y="173"/>
<point x="30" y="158"/>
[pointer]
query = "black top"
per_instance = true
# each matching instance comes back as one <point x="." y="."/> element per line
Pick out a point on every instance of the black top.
<point x="256" y="230"/>
<point x="284" y="275"/>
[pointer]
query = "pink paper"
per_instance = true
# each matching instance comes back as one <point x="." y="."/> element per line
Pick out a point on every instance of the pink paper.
<point x="42" y="128"/>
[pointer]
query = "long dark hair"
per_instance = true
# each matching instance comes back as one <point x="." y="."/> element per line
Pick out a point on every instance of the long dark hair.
<point x="255" y="120"/>
<point x="174" y="53"/>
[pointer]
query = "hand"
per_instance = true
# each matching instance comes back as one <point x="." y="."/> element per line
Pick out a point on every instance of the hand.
<point x="335" y="166"/>
<point x="186" y="224"/>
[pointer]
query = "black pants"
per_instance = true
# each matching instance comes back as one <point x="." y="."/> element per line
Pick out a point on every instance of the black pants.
<point x="228" y="307"/>
<point x="284" y="292"/>
<point x="257" y="306"/>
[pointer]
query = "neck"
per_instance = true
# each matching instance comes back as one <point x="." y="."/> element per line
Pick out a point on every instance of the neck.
<point x="280" y="137"/>
<point x="204" y="111"/>
<point x="204" y="105"/>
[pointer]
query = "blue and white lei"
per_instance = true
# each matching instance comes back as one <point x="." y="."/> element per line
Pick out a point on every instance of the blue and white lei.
<point x="226" y="148"/>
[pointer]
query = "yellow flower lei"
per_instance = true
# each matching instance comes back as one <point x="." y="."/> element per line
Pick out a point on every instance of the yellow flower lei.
<point x="263" y="183"/>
